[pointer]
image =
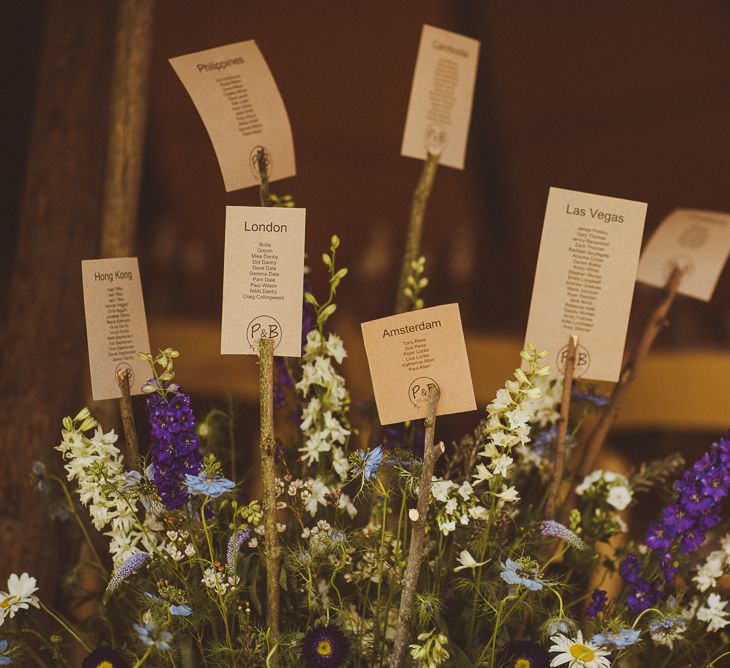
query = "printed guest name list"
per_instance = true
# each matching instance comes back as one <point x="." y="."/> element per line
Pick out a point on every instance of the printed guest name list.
<point x="263" y="280"/>
<point x="116" y="326"/>
<point x="584" y="282"/>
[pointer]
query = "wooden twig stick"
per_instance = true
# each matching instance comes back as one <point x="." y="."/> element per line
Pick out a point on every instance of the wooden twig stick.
<point x="272" y="551"/>
<point x="416" y="550"/>
<point x="415" y="227"/>
<point x="562" y="428"/>
<point x="264" y="190"/>
<point x="655" y="324"/>
<point x="124" y="378"/>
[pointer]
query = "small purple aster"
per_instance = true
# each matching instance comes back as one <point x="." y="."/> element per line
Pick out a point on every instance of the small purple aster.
<point x="325" y="647"/>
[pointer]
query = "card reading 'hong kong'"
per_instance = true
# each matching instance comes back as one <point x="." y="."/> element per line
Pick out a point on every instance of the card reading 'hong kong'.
<point x="411" y="352"/>
<point x="116" y="326"/>
<point x="263" y="280"/>
<point x="439" y="108"/>
<point x="694" y="240"/>
<point x="236" y="96"/>
<point x="584" y="282"/>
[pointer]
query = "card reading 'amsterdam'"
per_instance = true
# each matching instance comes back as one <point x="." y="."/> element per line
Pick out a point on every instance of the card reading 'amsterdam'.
<point x="697" y="241"/>
<point x="116" y="326"/>
<point x="263" y="280"/>
<point x="439" y="108"/>
<point x="584" y="282"/>
<point x="236" y="96"/>
<point x="409" y="353"/>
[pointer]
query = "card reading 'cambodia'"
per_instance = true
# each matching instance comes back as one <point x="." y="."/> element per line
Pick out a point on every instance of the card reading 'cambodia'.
<point x="409" y="353"/>
<point x="116" y="326"/>
<point x="584" y="282"/>
<point x="697" y="241"/>
<point x="263" y="280"/>
<point x="439" y="108"/>
<point x="236" y="96"/>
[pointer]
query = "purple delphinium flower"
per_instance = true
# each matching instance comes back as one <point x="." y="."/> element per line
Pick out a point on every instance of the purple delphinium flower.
<point x="683" y="526"/>
<point x="175" y="446"/>
<point x="597" y="604"/>
<point x="596" y="400"/>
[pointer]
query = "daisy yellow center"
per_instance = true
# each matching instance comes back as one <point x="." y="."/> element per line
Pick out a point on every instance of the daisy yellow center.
<point x="522" y="663"/>
<point x="8" y="601"/>
<point x="104" y="664"/>
<point x="324" y="648"/>
<point x="582" y="652"/>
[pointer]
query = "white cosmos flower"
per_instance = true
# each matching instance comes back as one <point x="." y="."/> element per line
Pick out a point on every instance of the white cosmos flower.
<point x="19" y="595"/>
<point x="575" y="653"/>
<point x="467" y="561"/>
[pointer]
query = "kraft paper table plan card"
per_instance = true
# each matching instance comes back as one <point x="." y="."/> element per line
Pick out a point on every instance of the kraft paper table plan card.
<point x="409" y="353"/>
<point x="263" y="280"/>
<point x="439" y="108"/>
<point x="584" y="282"/>
<point x="116" y="326"/>
<point x="242" y="110"/>
<point x="696" y="241"/>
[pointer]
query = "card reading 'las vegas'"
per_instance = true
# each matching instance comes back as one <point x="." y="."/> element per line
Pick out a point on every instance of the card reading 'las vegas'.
<point x="237" y="98"/>
<point x="411" y="352"/>
<point x="584" y="281"/>
<point x="263" y="280"/>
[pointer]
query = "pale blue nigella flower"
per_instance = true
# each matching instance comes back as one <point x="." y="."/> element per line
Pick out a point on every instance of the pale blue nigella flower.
<point x="516" y="574"/>
<point x="153" y="636"/>
<point x="201" y="484"/>
<point x="618" y="639"/>
<point x="370" y="462"/>
<point x="182" y="610"/>
<point x="5" y="660"/>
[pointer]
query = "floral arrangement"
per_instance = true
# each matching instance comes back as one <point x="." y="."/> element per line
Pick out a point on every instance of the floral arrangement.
<point x="502" y="582"/>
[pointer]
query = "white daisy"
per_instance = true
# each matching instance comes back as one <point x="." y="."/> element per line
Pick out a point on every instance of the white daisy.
<point x="19" y="595"/>
<point x="577" y="654"/>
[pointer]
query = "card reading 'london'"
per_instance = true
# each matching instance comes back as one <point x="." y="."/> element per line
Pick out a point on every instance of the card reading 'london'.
<point x="697" y="241"/>
<point x="409" y="353"/>
<point x="236" y="96"/>
<point x="439" y="108"/>
<point x="584" y="282"/>
<point x="263" y="280"/>
<point x="116" y="326"/>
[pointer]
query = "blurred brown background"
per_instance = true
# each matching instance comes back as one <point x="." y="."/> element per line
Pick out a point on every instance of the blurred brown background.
<point x="627" y="99"/>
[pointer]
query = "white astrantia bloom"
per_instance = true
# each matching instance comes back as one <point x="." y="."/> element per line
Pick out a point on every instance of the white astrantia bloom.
<point x="714" y="612"/>
<point x="466" y="560"/>
<point x="619" y="497"/>
<point x="19" y="595"/>
<point x="577" y="653"/>
<point x="613" y="487"/>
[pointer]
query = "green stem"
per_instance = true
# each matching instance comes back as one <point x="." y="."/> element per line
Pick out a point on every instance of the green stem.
<point x="144" y="658"/>
<point x="221" y="604"/>
<point x="65" y="625"/>
<point x="714" y="661"/>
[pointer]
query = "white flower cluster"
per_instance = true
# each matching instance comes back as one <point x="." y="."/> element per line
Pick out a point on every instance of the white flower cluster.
<point x="96" y="465"/>
<point x="510" y="415"/>
<point x="458" y="504"/>
<point x="431" y="652"/>
<point x="324" y="416"/>
<point x="314" y="492"/>
<point x="715" y="566"/>
<point x="178" y="546"/>
<point x="614" y="487"/>
<point x="217" y="580"/>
